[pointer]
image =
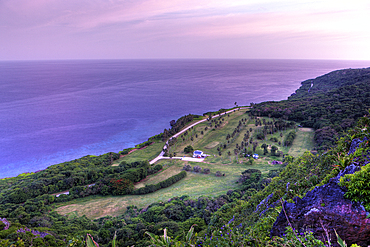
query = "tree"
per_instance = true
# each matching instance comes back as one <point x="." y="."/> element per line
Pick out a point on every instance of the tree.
<point x="255" y="144"/>
<point x="197" y="169"/>
<point x="265" y="151"/>
<point x="187" y="168"/>
<point x="121" y="186"/>
<point x="188" y="149"/>
<point x="273" y="150"/>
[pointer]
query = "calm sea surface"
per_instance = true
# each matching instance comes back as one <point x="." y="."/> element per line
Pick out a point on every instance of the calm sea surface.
<point x="55" y="111"/>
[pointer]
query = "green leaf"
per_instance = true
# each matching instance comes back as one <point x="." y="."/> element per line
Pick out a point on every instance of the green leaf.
<point x="341" y="242"/>
<point x="190" y="233"/>
<point x="90" y="241"/>
<point x="114" y="239"/>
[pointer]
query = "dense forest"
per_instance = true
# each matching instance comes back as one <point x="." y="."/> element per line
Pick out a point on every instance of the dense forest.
<point x="330" y="104"/>
<point x="334" y="104"/>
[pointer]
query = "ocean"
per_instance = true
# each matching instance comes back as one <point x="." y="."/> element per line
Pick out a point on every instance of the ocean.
<point x="56" y="111"/>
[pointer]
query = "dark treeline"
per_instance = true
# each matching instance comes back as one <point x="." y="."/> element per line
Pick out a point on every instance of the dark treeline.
<point x="289" y="138"/>
<point x="27" y="201"/>
<point x="178" y="125"/>
<point x="177" y="215"/>
<point x="163" y="184"/>
<point x="332" y="105"/>
<point x="64" y="176"/>
<point x="82" y="175"/>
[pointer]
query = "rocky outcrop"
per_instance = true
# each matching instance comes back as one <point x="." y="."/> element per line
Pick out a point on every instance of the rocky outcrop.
<point x="361" y="159"/>
<point x="355" y="144"/>
<point x="324" y="210"/>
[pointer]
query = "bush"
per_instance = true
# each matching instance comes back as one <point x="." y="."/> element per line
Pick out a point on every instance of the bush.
<point x="121" y="186"/>
<point x="274" y="139"/>
<point x="125" y="151"/>
<point x="163" y="184"/>
<point x="187" y="168"/>
<point x="218" y="174"/>
<point x="197" y="169"/>
<point x="155" y="169"/>
<point x="249" y="161"/>
<point x="260" y="136"/>
<point x="188" y="149"/>
<point x="135" y="175"/>
<point x="358" y="185"/>
<point x="289" y="138"/>
<point x="206" y="171"/>
<point x="144" y="144"/>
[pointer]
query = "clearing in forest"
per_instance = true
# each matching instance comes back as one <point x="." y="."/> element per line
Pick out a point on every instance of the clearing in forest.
<point x="224" y="139"/>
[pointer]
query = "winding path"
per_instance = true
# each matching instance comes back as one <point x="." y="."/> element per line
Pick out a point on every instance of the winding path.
<point x="160" y="156"/>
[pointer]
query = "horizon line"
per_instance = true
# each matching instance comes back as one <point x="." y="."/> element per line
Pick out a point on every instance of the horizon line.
<point x="141" y="59"/>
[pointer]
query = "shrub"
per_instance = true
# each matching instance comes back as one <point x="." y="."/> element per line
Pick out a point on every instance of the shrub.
<point x="197" y="169"/>
<point x="273" y="139"/>
<point x="218" y="174"/>
<point x="293" y="238"/>
<point x="163" y="184"/>
<point x="358" y="185"/>
<point x="155" y="169"/>
<point x="206" y="171"/>
<point x="188" y="149"/>
<point x="187" y="168"/>
<point x="121" y="186"/>
<point x="260" y="136"/>
<point x="249" y="161"/>
<point x="289" y="138"/>
<point x="135" y="175"/>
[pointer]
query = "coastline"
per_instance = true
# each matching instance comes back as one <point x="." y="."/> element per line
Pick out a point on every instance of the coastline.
<point x="63" y="121"/>
<point x="132" y="149"/>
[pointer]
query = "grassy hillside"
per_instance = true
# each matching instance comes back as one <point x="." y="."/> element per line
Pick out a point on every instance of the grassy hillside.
<point x="197" y="184"/>
<point x="100" y="186"/>
<point x="332" y="105"/>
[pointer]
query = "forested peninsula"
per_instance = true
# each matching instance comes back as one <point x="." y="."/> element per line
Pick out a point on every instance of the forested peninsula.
<point x="287" y="173"/>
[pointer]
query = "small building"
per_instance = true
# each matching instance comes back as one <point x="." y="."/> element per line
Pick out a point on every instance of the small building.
<point x="255" y="156"/>
<point x="197" y="154"/>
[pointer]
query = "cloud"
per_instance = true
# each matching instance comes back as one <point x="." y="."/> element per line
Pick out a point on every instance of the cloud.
<point x="128" y="27"/>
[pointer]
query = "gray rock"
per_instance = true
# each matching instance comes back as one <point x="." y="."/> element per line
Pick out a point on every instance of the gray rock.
<point x="324" y="209"/>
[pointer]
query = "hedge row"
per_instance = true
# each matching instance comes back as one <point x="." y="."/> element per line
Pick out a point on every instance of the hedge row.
<point x="163" y="184"/>
<point x="155" y="169"/>
<point x="289" y="139"/>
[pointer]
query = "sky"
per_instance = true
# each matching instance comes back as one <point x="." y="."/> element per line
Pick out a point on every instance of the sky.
<point x="172" y="29"/>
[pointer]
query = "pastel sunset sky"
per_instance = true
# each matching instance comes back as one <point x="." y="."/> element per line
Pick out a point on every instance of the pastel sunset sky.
<point x="135" y="29"/>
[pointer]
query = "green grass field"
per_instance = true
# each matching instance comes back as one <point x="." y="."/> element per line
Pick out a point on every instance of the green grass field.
<point x="303" y="141"/>
<point x="147" y="153"/>
<point x="195" y="184"/>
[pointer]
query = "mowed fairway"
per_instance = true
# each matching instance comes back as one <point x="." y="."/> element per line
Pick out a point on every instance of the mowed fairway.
<point x="212" y="140"/>
<point x="194" y="185"/>
<point x="302" y="142"/>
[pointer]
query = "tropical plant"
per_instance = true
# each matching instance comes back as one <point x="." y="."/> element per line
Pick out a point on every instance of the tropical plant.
<point x="166" y="241"/>
<point x="91" y="243"/>
<point x="358" y="186"/>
